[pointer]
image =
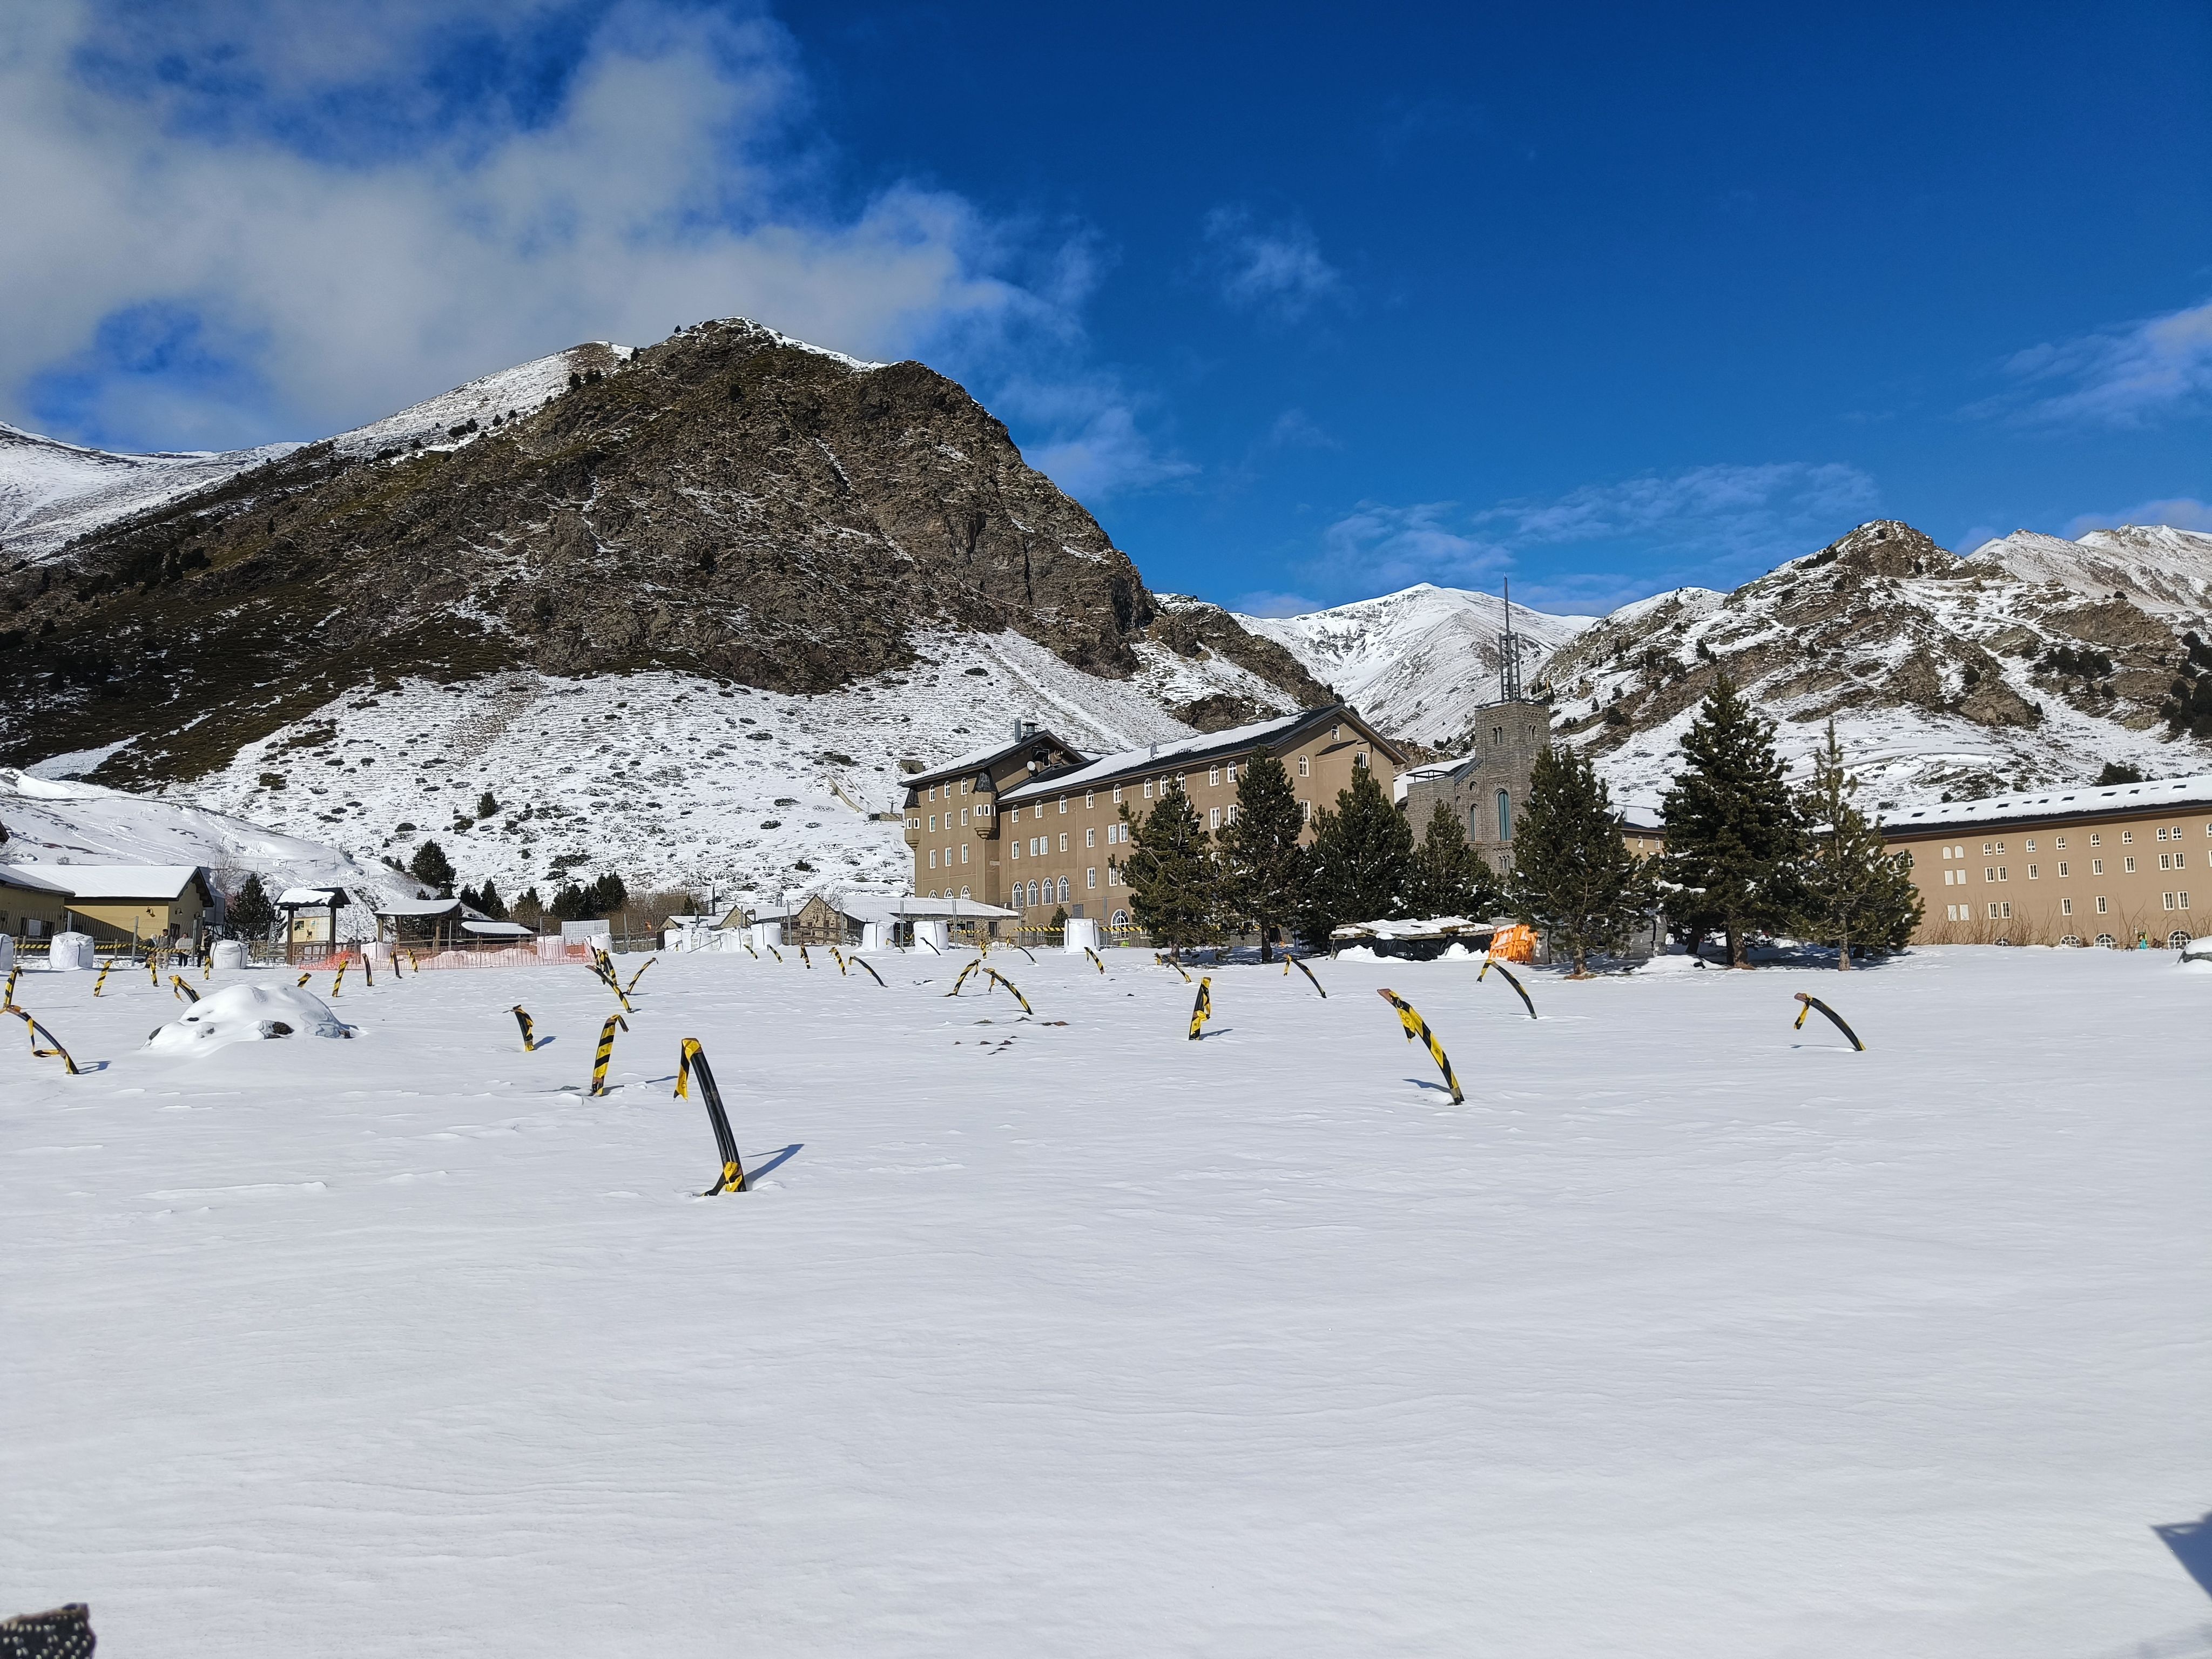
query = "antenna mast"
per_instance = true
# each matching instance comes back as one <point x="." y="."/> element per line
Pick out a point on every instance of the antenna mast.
<point x="1509" y="651"/>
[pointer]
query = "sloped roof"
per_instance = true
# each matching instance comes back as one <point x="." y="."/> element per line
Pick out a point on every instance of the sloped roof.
<point x="30" y="879"/>
<point x="310" y="896"/>
<point x="109" y="881"/>
<point x="1137" y="761"/>
<point x="2083" y="800"/>
<point x="982" y="758"/>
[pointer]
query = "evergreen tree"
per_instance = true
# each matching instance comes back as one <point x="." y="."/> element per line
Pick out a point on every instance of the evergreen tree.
<point x="486" y="899"/>
<point x="570" y="904"/>
<point x="250" y="913"/>
<point x="530" y="909"/>
<point x="486" y="806"/>
<point x="1265" y="864"/>
<point x="1360" y="866"/>
<point x="1173" y="876"/>
<point x="432" y="867"/>
<point x="1573" y="875"/>
<point x="1849" y="887"/>
<point x="1450" y="879"/>
<point x="1732" y="825"/>
<point x="606" y="896"/>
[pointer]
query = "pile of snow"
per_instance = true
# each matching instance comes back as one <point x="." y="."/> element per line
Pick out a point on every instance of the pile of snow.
<point x="247" y="1013"/>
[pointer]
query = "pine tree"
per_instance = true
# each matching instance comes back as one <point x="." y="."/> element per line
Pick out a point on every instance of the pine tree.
<point x="606" y="896"/>
<point x="1450" y="879"/>
<point x="530" y="909"/>
<point x="432" y="867"/>
<point x="1264" y="865"/>
<point x="1732" y="825"/>
<point x="1849" y="887"/>
<point x="1573" y="876"/>
<point x="1173" y="876"/>
<point x="490" y="901"/>
<point x="486" y="806"/>
<point x="1360" y="866"/>
<point x="250" y="913"/>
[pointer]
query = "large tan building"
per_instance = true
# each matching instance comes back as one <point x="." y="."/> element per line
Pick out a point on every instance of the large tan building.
<point x="1035" y="827"/>
<point x="2086" y="865"/>
<point x="32" y="904"/>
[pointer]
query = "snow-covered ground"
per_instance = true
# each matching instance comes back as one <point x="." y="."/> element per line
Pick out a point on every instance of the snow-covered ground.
<point x="1690" y="1333"/>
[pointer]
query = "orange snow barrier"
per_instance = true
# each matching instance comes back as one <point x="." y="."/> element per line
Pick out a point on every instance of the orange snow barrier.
<point x="1515" y="944"/>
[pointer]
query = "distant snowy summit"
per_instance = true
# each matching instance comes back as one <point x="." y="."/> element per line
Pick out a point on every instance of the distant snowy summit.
<point x="2163" y="570"/>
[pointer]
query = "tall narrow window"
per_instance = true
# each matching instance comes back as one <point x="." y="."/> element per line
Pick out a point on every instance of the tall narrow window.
<point x="1504" y="815"/>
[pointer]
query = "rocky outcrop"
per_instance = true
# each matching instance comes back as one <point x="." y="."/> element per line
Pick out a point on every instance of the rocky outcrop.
<point x="726" y="502"/>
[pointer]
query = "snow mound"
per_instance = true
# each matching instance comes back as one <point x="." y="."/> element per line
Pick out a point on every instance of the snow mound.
<point x="1681" y="964"/>
<point x="247" y="1013"/>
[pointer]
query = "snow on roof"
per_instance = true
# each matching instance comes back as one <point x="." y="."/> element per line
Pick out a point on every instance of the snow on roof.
<point x="126" y="881"/>
<point x="1416" y="928"/>
<point x="1642" y="815"/>
<point x="315" y="896"/>
<point x="497" y="929"/>
<point x="24" y="876"/>
<point x="422" y="907"/>
<point x="978" y="759"/>
<point x="909" y="908"/>
<point x="1137" y="760"/>
<point x="2081" y="800"/>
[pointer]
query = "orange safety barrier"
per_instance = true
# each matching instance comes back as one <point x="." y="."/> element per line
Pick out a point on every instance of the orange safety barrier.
<point x="1515" y="944"/>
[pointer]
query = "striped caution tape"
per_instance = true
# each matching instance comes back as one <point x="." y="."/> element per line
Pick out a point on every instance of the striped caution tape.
<point x="1202" y="1010"/>
<point x="1507" y="973"/>
<point x="995" y="975"/>
<point x="1167" y="961"/>
<point x="98" y="985"/>
<point x="961" y="979"/>
<point x="181" y="992"/>
<point x="638" y="975"/>
<point x="1097" y="961"/>
<point x="1416" y="1027"/>
<point x="36" y="1031"/>
<point x="529" y="1031"/>
<point x="1291" y="961"/>
<point x="605" y="1052"/>
<point x="694" y="1064"/>
<point x="861" y="962"/>
<point x="1834" y="1019"/>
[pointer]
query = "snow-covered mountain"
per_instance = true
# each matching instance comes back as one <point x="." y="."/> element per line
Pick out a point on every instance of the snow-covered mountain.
<point x="50" y="492"/>
<point x="59" y="821"/>
<point x="1945" y="676"/>
<point x="1417" y="662"/>
<point x="2160" y="569"/>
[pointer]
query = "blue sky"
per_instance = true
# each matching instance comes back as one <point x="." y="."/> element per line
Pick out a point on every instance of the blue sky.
<point x="1306" y="304"/>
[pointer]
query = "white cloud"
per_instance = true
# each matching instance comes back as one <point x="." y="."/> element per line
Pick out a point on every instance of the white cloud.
<point x="1386" y="548"/>
<point x="2181" y="512"/>
<point x="310" y="233"/>
<point x="2127" y="377"/>
<point x="1277" y="269"/>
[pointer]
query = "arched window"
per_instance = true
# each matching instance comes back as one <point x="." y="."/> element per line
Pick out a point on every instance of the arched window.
<point x="1504" y="815"/>
<point x="963" y="892"/>
<point x="1063" y="890"/>
<point x="1033" y="893"/>
<point x="2106" y="940"/>
<point x="2176" y="939"/>
<point x="1119" y="919"/>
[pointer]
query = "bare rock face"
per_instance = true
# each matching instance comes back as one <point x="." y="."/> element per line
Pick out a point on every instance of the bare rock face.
<point x="726" y="502"/>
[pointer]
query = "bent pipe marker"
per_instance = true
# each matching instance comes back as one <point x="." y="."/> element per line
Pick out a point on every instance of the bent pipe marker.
<point x="98" y="985"/>
<point x="1309" y="973"/>
<point x="777" y="954"/>
<point x="36" y="1031"/>
<point x="860" y="963"/>
<point x="368" y="972"/>
<point x="528" y="1034"/>
<point x="842" y="971"/>
<point x="694" y="1064"/>
<point x="1167" y="961"/>
<point x="638" y="975"/>
<point x="994" y="974"/>
<point x="304" y="978"/>
<point x="1511" y="981"/>
<point x="961" y="978"/>
<point x="605" y="1052"/>
<point x="806" y="961"/>
<point x="1095" y="960"/>
<point x="7" y="996"/>
<point x="1201" y="1010"/>
<point x="1834" y="1019"/>
<point x="1415" y="1027"/>
<point x="180" y="991"/>
<point x="339" y="983"/>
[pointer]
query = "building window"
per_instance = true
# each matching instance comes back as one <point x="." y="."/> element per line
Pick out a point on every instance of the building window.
<point x="2106" y="940"/>
<point x="2127" y="837"/>
<point x="1230" y="771"/>
<point x="2060" y="843"/>
<point x="2096" y="839"/>
<point x="2033" y="873"/>
<point x="2100" y="905"/>
<point x="2031" y="843"/>
<point x="963" y="816"/>
<point x="1090" y="877"/>
<point x="1947" y="852"/>
<point x="2061" y="867"/>
<point x="2185" y="901"/>
<point x="1993" y="913"/>
<point x="1063" y="805"/>
<point x="1230" y="813"/>
<point x="1148" y="788"/>
<point x="1063" y="889"/>
<point x="1090" y="838"/>
<point x="1988" y="848"/>
<point x="933" y="823"/>
<point x="1213" y="781"/>
<point x="1988" y="872"/>
<point x="2161" y="835"/>
<point x="2003" y="874"/>
<point x="1117" y="795"/>
<point x="1359" y="757"/>
<point x="2066" y="907"/>
<point x="1504" y="815"/>
<point x="2180" y="858"/>
<point x="1213" y="817"/>
<point x="1014" y="849"/>
<point x="964" y="851"/>
<point x="2128" y="866"/>
<point x="2096" y="866"/>
<point x="2168" y="898"/>
<point x="1090" y="799"/>
<point x="2164" y="860"/>
<point x="932" y="858"/>
<point x="1302" y="766"/>
<point x="1063" y="840"/>
<point x="1305" y="811"/>
<point x="963" y="892"/>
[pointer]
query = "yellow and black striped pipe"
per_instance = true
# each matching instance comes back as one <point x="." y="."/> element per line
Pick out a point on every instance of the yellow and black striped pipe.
<point x="337" y="981"/>
<point x="1097" y="961"/>
<point x="605" y="1052"/>
<point x="181" y="992"/>
<point x="1416" y="1027"/>
<point x="806" y="961"/>
<point x="529" y="1032"/>
<point x="1289" y="962"/>
<point x="1507" y="974"/>
<point x="859" y="961"/>
<point x="368" y="971"/>
<point x="995" y="975"/>
<point x="304" y="978"/>
<point x="842" y="971"/>
<point x="1167" y="961"/>
<point x="693" y="1063"/>
<point x="1201" y="1010"/>
<point x="7" y="996"/>
<point x="98" y="985"/>
<point x="36" y="1031"/>
<point x="1834" y="1019"/>
<point x="638" y="975"/>
<point x="961" y="978"/>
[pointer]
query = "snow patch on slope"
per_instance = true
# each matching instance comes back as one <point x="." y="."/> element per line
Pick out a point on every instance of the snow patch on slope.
<point x="2166" y="572"/>
<point x="52" y="493"/>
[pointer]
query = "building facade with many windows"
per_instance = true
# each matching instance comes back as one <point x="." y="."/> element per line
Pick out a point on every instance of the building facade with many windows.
<point x="1053" y="839"/>
<point x="2112" y="864"/>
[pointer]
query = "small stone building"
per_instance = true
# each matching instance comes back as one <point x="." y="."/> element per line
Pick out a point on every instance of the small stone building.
<point x="1487" y="787"/>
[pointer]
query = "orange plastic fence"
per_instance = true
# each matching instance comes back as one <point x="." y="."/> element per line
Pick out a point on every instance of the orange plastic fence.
<point x="1515" y="944"/>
